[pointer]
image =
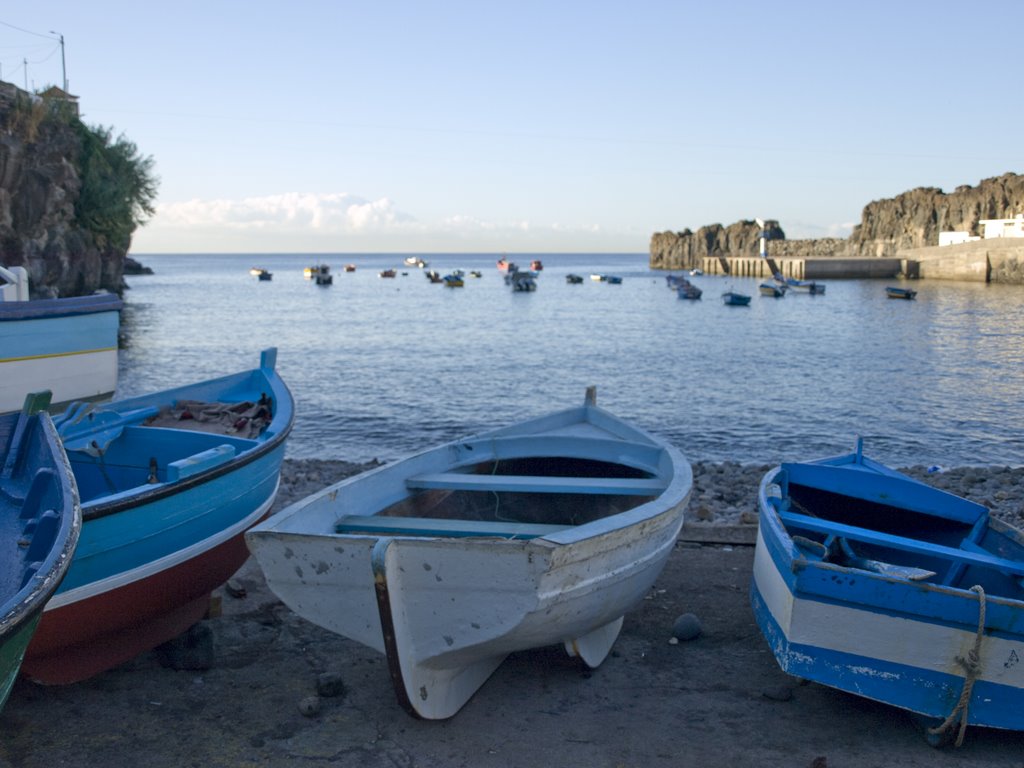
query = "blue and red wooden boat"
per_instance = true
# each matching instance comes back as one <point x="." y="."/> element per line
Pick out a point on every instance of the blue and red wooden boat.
<point x="169" y="484"/>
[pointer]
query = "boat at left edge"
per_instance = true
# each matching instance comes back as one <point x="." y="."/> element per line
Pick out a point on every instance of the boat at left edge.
<point x="65" y="345"/>
<point x="40" y="520"/>
<point x="169" y="483"/>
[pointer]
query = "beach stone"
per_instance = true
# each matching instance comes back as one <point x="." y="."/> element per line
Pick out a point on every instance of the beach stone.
<point x="686" y="627"/>
<point x="310" y="706"/>
<point x="778" y="693"/>
<point x="330" y="684"/>
<point x="192" y="650"/>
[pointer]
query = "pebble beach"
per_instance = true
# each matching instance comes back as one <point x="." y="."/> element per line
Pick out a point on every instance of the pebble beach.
<point x="725" y="493"/>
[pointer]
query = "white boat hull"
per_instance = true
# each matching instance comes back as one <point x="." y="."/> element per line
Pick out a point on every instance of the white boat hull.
<point x="446" y="611"/>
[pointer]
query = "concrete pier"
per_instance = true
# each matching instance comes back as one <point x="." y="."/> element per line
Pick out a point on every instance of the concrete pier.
<point x="803" y="269"/>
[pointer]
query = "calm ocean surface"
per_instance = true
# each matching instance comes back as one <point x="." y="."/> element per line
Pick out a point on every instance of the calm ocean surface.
<point x="383" y="367"/>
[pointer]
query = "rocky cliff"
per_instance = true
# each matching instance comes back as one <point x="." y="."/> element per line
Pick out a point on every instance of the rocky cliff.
<point x="40" y="185"/>
<point x="910" y="220"/>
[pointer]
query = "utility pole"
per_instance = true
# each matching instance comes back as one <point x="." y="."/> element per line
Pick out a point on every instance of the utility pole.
<point x="24" y="64"/>
<point x="63" y="65"/>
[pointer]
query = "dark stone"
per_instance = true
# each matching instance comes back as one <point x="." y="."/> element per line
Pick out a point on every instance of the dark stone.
<point x="330" y="684"/>
<point x="192" y="650"/>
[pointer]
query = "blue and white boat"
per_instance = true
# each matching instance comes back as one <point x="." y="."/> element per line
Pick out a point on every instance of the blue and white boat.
<point x="772" y="289"/>
<point x="874" y="583"/>
<point x="67" y="346"/>
<point x="169" y="483"/>
<point x="893" y="292"/>
<point x="545" y="532"/>
<point x="734" y="299"/>
<point x="40" y="522"/>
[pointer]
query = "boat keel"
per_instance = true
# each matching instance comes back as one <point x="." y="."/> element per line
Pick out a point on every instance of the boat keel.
<point x="593" y="647"/>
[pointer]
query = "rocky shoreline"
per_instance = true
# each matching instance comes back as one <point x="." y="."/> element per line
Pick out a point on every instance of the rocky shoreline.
<point x="724" y="493"/>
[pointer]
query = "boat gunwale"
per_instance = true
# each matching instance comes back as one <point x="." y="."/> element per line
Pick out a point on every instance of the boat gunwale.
<point x="672" y="497"/>
<point x="799" y="573"/>
<point x="31" y="598"/>
<point x="99" y="509"/>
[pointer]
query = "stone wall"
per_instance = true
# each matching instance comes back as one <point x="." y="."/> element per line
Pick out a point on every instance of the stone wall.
<point x="887" y="228"/>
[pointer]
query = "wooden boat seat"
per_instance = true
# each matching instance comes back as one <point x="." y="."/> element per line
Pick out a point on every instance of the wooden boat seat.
<point x="199" y="462"/>
<point x="985" y="560"/>
<point x="460" y="481"/>
<point x="424" y="526"/>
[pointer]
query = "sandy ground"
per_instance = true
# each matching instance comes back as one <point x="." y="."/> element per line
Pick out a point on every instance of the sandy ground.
<point x="716" y="700"/>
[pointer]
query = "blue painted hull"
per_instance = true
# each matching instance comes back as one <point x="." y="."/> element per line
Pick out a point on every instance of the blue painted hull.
<point x="40" y="521"/>
<point x="68" y="346"/>
<point x="889" y="621"/>
<point x="164" y="510"/>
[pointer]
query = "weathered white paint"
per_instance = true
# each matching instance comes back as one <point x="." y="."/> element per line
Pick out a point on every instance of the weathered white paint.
<point x="459" y="606"/>
<point x="907" y="642"/>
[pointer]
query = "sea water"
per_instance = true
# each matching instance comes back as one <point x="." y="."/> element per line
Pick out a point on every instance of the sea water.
<point x="381" y="368"/>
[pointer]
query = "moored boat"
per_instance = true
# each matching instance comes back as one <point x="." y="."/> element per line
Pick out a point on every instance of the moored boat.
<point x="613" y="280"/>
<point x="900" y="293"/>
<point x="388" y="273"/>
<point x="40" y="520"/>
<point x="874" y="583"/>
<point x="536" y="265"/>
<point x="68" y="346"/>
<point x="168" y="484"/>
<point x="453" y="281"/>
<point x="733" y="299"/>
<point x="323" y="275"/>
<point x="572" y="279"/>
<point x="350" y="267"/>
<point x="774" y="290"/>
<point x="544" y="532"/>
<point x="688" y="290"/>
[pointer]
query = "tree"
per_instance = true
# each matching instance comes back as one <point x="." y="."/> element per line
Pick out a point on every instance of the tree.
<point x="118" y="186"/>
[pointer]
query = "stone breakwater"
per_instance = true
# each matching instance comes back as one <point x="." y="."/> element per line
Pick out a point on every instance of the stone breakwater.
<point x="724" y="493"/>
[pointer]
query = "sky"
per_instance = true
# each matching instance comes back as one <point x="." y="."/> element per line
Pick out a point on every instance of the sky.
<point x="360" y="127"/>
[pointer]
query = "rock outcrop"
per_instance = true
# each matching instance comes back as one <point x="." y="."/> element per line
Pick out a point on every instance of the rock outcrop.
<point x="39" y="186"/>
<point x="910" y="220"/>
<point x="684" y="250"/>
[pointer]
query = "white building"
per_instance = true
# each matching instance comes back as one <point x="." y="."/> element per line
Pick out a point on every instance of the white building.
<point x="990" y="228"/>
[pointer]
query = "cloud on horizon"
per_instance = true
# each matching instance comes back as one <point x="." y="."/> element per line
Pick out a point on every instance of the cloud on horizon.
<point x="297" y="221"/>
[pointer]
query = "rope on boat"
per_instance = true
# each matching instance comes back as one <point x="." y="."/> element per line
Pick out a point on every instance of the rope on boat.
<point x="972" y="670"/>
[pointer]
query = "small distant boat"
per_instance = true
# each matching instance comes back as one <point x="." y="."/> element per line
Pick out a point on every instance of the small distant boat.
<point x="544" y="532"/>
<point x="255" y="271"/>
<point x="416" y="261"/>
<point x="613" y="280"/>
<point x="733" y="299"/>
<point x="168" y="484"/>
<point x="350" y="267"/>
<point x="67" y="346"/>
<point x="261" y="274"/>
<point x="573" y="279"/>
<point x="42" y="522"/>
<point x="900" y="293"/>
<point x="774" y="290"/>
<point x="524" y="282"/>
<point x="536" y="265"/>
<point x="504" y="264"/>
<point x="434" y="276"/>
<point x="453" y="281"/>
<point x="475" y="273"/>
<point x="689" y="291"/>
<point x="309" y="272"/>
<point x="388" y="273"/>
<point x="874" y="583"/>
<point x="801" y="286"/>
<point x="323" y="275"/>
<point x="598" y="278"/>
<point x="696" y="272"/>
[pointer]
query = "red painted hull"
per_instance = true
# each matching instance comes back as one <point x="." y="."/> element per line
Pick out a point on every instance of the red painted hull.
<point x="81" y="639"/>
